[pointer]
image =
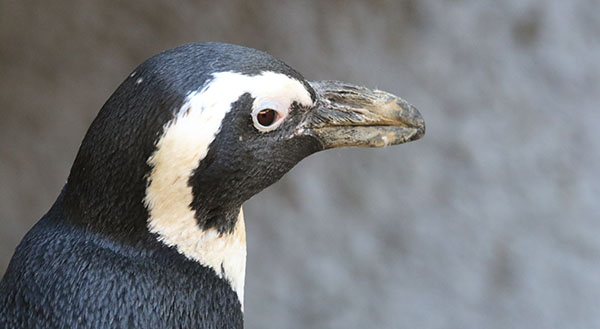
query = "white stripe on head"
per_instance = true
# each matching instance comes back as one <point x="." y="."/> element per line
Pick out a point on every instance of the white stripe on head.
<point x="183" y="144"/>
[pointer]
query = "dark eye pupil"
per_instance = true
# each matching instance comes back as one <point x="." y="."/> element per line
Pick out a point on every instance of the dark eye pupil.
<point x="266" y="117"/>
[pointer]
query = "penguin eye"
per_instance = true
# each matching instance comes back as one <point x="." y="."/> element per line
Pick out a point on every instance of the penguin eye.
<point x="267" y="118"/>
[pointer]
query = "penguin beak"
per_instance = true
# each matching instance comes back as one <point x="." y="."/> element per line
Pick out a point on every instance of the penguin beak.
<point x="348" y="115"/>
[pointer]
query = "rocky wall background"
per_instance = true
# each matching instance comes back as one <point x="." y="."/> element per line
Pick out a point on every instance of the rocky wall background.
<point x="491" y="221"/>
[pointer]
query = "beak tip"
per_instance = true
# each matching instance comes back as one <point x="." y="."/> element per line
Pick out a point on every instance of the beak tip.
<point x="413" y="119"/>
<point x="419" y="134"/>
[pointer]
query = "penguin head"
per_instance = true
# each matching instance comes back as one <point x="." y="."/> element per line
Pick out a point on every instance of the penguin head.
<point x="197" y="130"/>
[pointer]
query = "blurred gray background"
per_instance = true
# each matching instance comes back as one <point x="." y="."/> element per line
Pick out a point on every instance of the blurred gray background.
<point x="491" y="221"/>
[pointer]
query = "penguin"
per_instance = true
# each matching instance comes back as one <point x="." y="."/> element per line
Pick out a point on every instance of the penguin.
<point x="148" y="231"/>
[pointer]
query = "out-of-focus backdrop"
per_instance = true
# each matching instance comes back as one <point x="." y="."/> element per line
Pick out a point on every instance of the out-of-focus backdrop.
<point x="491" y="221"/>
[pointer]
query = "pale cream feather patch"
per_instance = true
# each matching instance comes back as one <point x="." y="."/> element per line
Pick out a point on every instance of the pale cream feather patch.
<point x="183" y="144"/>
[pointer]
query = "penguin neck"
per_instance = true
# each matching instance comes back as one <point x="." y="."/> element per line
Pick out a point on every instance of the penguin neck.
<point x="170" y="220"/>
<point x="184" y="218"/>
<point x="223" y="252"/>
